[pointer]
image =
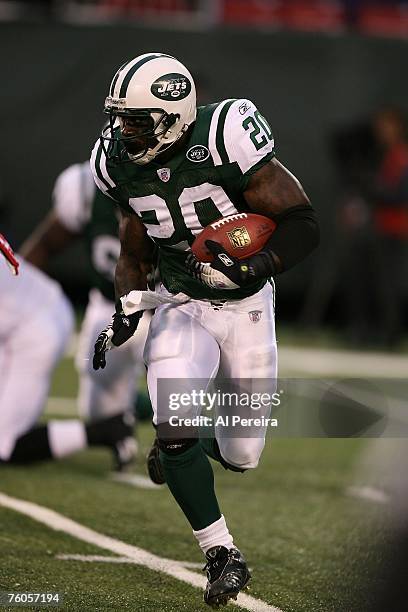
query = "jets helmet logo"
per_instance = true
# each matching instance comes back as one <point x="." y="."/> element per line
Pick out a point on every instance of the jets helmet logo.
<point x="171" y="86"/>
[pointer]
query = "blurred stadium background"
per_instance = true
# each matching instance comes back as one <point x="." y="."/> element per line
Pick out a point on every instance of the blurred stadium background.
<point x="330" y="76"/>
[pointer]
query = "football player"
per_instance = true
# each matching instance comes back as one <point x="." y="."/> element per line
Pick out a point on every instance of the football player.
<point x="173" y="169"/>
<point x="33" y="306"/>
<point x="80" y="211"/>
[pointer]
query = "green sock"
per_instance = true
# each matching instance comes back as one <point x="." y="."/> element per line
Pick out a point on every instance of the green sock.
<point x="208" y="446"/>
<point x="190" y="479"/>
<point x="211" y="449"/>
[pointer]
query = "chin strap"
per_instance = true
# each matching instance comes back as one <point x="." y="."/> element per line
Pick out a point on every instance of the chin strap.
<point x="161" y="147"/>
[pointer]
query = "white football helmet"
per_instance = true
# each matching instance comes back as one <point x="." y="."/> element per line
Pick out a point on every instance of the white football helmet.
<point x="151" y="103"/>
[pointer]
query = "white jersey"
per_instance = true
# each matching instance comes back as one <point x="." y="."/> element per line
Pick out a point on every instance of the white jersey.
<point x="36" y="321"/>
<point x="23" y="295"/>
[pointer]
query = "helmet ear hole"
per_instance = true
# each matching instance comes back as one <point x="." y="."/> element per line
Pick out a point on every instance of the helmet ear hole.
<point x="171" y="119"/>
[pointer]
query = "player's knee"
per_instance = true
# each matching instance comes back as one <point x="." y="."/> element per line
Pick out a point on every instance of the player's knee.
<point x="173" y="448"/>
<point x="187" y="438"/>
<point x="242" y="454"/>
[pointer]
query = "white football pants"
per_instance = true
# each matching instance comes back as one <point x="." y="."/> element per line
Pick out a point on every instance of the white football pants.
<point x="197" y="340"/>
<point x="36" y="321"/>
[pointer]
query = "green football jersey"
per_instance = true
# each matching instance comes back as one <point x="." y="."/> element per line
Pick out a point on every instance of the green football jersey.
<point x="103" y="245"/>
<point x="85" y="210"/>
<point x="204" y="181"/>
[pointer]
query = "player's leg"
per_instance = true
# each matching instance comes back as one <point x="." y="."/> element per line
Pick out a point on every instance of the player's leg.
<point x="248" y="351"/>
<point x="28" y="356"/>
<point x="249" y="355"/>
<point x="27" y="366"/>
<point x="108" y="395"/>
<point x="111" y="390"/>
<point x="178" y="347"/>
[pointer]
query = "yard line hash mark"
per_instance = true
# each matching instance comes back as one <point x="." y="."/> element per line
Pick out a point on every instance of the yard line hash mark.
<point x="58" y="522"/>
<point x="135" y="480"/>
<point x="369" y="493"/>
<point x="104" y="559"/>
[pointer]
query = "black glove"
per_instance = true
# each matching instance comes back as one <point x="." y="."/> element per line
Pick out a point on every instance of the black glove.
<point x="228" y="272"/>
<point x="121" y="329"/>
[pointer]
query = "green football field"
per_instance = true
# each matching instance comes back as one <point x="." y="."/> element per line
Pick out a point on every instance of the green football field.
<point x="312" y="547"/>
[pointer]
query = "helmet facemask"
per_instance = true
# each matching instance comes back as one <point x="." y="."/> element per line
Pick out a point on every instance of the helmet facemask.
<point x="152" y="134"/>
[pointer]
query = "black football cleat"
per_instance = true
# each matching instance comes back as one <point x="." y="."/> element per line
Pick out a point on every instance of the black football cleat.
<point x="227" y="574"/>
<point x="154" y="466"/>
<point x="124" y="453"/>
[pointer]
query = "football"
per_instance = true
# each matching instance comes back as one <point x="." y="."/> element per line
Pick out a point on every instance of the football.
<point x="241" y="235"/>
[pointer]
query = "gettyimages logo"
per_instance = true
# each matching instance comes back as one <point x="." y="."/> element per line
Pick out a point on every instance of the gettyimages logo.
<point x="239" y="407"/>
<point x="287" y="408"/>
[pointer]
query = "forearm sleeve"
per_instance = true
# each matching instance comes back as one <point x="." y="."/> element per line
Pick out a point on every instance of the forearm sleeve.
<point x="297" y="234"/>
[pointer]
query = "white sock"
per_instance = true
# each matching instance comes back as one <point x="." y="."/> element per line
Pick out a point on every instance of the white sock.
<point x="216" y="534"/>
<point x="66" y="437"/>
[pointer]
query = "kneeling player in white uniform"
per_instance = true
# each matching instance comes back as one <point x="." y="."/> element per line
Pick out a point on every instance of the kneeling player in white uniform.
<point x="80" y="211"/>
<point x="173" y="169"/>
<point x="33" y="307"/>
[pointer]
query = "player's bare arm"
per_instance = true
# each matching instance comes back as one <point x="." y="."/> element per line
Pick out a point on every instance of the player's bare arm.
<point x="136" y="255"/>
<point x="134" y="264"/>
<point x="275" y="192"/>
<point x="50" y="238"/>
<point x="273" y="189"/>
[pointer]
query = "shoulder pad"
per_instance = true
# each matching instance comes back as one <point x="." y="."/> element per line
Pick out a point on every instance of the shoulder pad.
<point x="99" y="169"/>
<point x="239" y="133"/>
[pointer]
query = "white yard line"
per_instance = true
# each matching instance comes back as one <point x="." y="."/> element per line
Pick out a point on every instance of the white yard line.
<point x="308" y="361"/>
<point x="103" y="559"/>
<point x="298" y="360"/>
<point x="135" y="480"/>
<point x="369" y="493"/>
<point x="94" y="559"/>
<point x="58" y="522"/>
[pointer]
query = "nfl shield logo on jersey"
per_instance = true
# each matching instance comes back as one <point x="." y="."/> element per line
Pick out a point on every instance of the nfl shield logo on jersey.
<point x="255" y="315"/>
<point x="164" y="174"/>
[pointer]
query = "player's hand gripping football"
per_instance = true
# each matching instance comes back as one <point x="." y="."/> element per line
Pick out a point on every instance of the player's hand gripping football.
<point x="119" y="331"/>
<point x="7" y="251"/>
<point x="224" y="272"/>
